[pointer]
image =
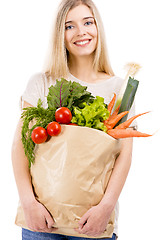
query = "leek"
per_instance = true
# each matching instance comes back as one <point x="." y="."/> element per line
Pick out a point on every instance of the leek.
<point x="128" y="97"/>
<point x="133" y="68"/>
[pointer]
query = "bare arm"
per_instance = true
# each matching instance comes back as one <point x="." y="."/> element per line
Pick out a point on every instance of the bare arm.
<point x="119" y="174"/>
<point x="36" y="215"/>
<point x="98" y="216"/>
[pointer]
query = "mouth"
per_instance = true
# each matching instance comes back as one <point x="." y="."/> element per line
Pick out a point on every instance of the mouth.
<point x="82" y="42"/>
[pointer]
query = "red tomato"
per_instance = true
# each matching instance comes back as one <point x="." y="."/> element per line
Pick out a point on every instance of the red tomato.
<point x="74" y="124"/>
<point x="39" y="135"/>
<point x="53" y="128"/>
<point x="63" y="115"/>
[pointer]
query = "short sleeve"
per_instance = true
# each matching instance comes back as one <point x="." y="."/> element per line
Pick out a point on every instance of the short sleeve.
<point x="33" y="90"/>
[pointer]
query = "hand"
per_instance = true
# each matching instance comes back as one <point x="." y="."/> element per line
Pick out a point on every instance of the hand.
<point x="38" y="218"/>
<point x="94" y="221"/>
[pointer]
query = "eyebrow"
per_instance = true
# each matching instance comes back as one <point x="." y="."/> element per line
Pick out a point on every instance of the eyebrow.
<point x="83" y="19"/>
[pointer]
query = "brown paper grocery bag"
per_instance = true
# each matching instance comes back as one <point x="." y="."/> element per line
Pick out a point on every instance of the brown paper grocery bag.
<point x="70" y="175"/>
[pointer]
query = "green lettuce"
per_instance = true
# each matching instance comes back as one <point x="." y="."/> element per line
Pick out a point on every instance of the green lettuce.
<point x="92" y="115"/>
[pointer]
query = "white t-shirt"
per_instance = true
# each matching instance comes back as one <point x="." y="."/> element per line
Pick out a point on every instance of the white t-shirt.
<point x="38" y="85"/>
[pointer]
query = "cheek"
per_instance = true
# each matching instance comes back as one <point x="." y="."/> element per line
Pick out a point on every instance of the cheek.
<point x="93" y="32"/>
<point x="66" y="38"/>
<point x="66" y="44"/>
<point x="69" y="36"/>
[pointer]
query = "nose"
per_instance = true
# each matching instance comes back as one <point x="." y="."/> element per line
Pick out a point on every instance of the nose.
<point x="81" y="30"/>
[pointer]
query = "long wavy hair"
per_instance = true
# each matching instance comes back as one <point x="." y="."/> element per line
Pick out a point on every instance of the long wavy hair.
<point x="56" y="64"/>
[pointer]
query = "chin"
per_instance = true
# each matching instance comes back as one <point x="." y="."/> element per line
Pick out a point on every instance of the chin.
<point x="84" y="53"/>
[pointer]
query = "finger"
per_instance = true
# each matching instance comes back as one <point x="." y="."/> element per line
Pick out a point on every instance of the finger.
<point x="79" y="231"/>
<point x="84" y="230"/>
<point x="49" y="220"/>
<point x="83" y="220"/>
<point x="46" y="228"/>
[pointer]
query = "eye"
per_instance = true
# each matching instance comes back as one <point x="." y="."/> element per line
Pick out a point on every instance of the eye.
<point x="68" y="27"/>
<point x="88" y="23"/>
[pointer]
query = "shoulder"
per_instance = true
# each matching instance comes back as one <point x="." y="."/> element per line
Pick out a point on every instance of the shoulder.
<point x="36" y="84"/>
<point x="36" y="88"/>
<point x="38" y="81"/>
<point x="37" y="77"/>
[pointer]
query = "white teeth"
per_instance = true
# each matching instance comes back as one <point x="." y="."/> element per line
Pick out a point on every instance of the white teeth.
<point x="82" y="43"/>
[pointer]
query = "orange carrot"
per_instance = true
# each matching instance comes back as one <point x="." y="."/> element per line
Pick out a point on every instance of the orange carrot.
<point x="111" y="104"/>
<point x="112" y="122"/>
<point x="126" y="133"/>
<point x="106" y="121"/>
<point x="127" y="123"/>
<point x="116" y="111"/>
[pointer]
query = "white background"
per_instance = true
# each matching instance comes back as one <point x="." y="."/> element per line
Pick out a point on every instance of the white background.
<point x="132" y="32"/>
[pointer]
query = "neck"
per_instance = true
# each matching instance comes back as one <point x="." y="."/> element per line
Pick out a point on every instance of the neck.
<point x="82" y="68"/>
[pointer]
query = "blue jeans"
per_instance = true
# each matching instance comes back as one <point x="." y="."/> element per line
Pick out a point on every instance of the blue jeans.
<point x="29" y="235"/>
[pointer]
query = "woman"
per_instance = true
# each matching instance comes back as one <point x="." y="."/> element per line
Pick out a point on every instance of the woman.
<point x="78" y="53"/>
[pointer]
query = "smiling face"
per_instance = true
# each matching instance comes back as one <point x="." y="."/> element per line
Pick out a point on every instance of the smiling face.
<point x="80" y="31"/>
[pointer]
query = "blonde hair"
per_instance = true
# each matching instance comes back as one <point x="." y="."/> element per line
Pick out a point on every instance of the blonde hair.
<point x="57" y="61"/>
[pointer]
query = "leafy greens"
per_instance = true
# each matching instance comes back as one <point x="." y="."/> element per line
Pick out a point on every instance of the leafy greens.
<point x="92" y="115"/>
<point x="63" y="94"/>
<point x="67" y="94"/>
